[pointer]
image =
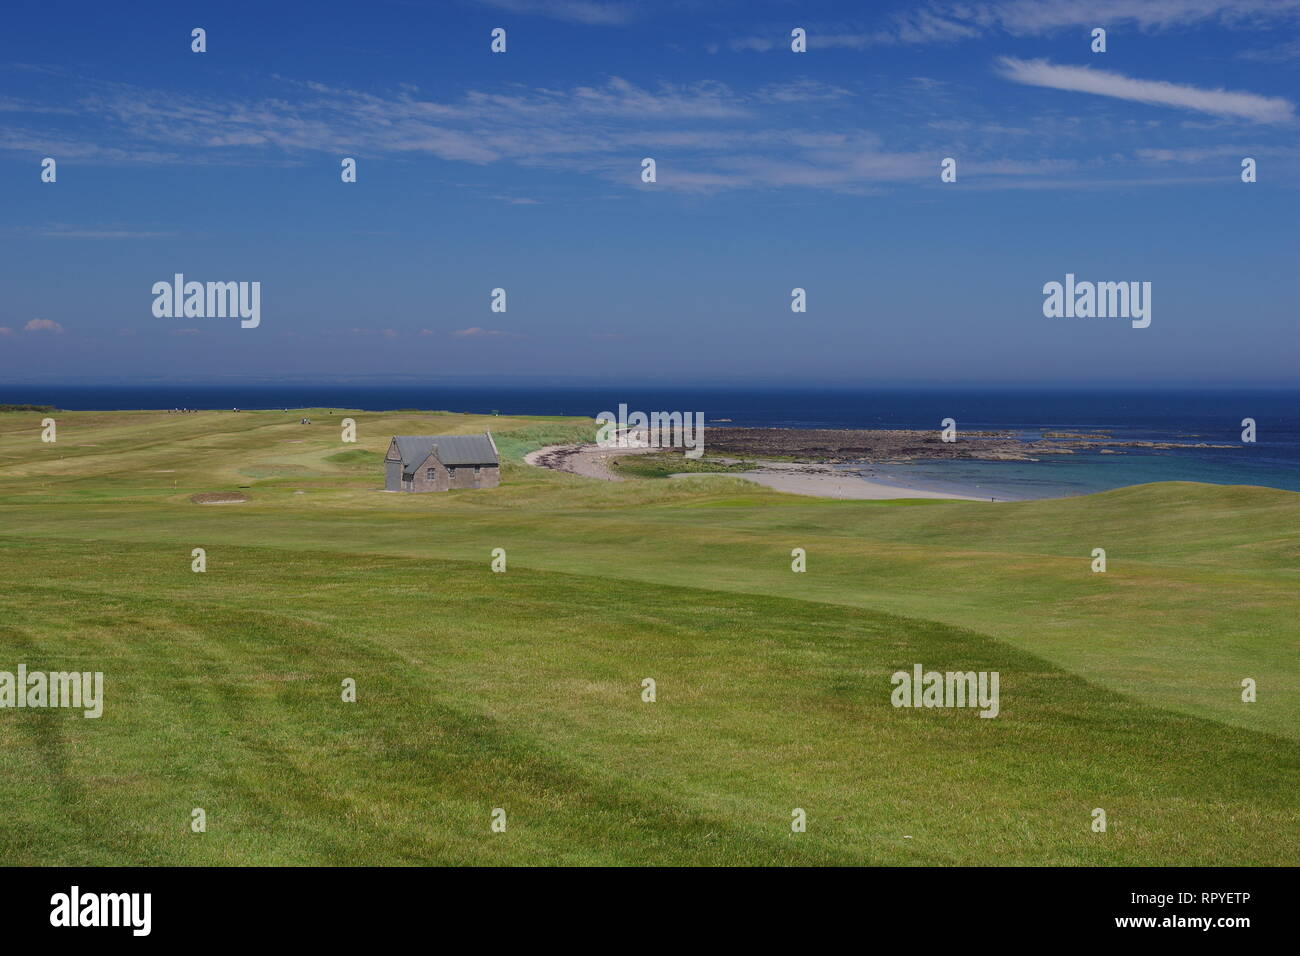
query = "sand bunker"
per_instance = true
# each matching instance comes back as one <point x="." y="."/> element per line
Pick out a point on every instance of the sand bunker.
<point x="219" y="498"/>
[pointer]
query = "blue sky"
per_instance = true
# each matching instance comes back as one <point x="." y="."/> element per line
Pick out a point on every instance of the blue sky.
<point x="775" y="170"/>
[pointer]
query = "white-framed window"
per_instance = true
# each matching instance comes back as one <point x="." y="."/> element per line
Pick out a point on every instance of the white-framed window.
<point x="451" y="471"/>
<point x="430" y="474"/>
<point x="477" y="471"/>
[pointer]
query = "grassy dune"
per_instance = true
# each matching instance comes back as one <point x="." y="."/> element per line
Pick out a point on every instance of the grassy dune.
<point x="522" y="690"/>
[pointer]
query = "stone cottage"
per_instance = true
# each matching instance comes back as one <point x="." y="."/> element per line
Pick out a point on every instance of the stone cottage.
<point x="441" y="462"/>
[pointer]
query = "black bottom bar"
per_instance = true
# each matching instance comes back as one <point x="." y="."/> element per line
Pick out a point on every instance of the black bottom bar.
<point x="979" y="906"/>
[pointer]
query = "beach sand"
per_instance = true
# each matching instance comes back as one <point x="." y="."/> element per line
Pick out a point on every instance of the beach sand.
<point x="839" y="485"/>
<point x="590" y="461"/>
<point x="819" y="481"/>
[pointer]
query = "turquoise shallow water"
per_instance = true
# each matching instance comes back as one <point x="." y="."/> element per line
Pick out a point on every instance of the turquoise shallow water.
<point x="1080" y="474"/>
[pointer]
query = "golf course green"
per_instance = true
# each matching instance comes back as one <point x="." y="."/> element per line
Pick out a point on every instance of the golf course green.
<point x="478" y="691"/>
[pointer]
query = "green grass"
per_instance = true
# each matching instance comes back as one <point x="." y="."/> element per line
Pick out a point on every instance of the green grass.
<point x="522" y="690"/>
<point x="666" y="464"/>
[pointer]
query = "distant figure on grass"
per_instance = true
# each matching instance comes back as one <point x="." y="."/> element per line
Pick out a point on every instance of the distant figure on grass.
<point x="441" y="462"/>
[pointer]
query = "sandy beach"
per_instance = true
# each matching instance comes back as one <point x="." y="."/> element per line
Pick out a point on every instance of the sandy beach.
<point x="589" y="461"/>
<point x="800" y="481"/>
<point x="820" y="481"/>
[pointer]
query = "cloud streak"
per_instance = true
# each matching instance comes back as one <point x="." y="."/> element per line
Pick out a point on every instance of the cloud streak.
<point x="61" y="231"/>
<point x="947" y="22"/>
<point x="952" y="22"/>
<point x="474" y="332"/>
<point x="1082" y="79"/>
<point x="706" y="136"/>
<point x="588" y="12"/>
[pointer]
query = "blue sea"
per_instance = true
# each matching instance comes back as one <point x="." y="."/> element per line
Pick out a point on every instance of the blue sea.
<point x="1183" y="417"/>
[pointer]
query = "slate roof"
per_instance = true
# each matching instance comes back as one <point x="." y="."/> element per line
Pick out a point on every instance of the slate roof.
<point x="451" y="450"/>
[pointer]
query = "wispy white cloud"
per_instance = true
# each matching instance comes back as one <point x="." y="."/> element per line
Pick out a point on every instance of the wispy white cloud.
<point x="479" y="128"/>
<point x="43" y="325"/>
<point x="1200" y="154"/>
<point x="1274" y="54"/>
<point x="949" y="21"/>
<point x="944" y="21"/>
<point x="935" y="24"/>
<point x="61" y="231"/>
<point x="618" y="97"/>
<point x="9" y="104"/>
<point x="590" y="12"/>
<point x="914" y="26"/>
<point x="802" y="90"/>
<point x="799" y="132"/>
<point x="474" y="332"/>
<point x="1082" y="79"/>
<point x="62" y="147"/>
<point x="757" y="44"/>
<point x="1022" y="17"/>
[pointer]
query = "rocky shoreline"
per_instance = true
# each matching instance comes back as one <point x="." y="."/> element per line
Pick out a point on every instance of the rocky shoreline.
<point x="895" y="445"/>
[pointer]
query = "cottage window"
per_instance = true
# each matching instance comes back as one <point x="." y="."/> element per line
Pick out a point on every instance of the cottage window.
<point x="477" y="471"/>
<point x="428" y="473"/>
<point x="451" y="471"/>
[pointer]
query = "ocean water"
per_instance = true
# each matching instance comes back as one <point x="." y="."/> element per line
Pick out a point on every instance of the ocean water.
<point x="1183" y="417"/>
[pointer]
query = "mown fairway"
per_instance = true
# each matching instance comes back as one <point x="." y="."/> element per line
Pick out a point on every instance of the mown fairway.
<point x="522" y="690"/>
